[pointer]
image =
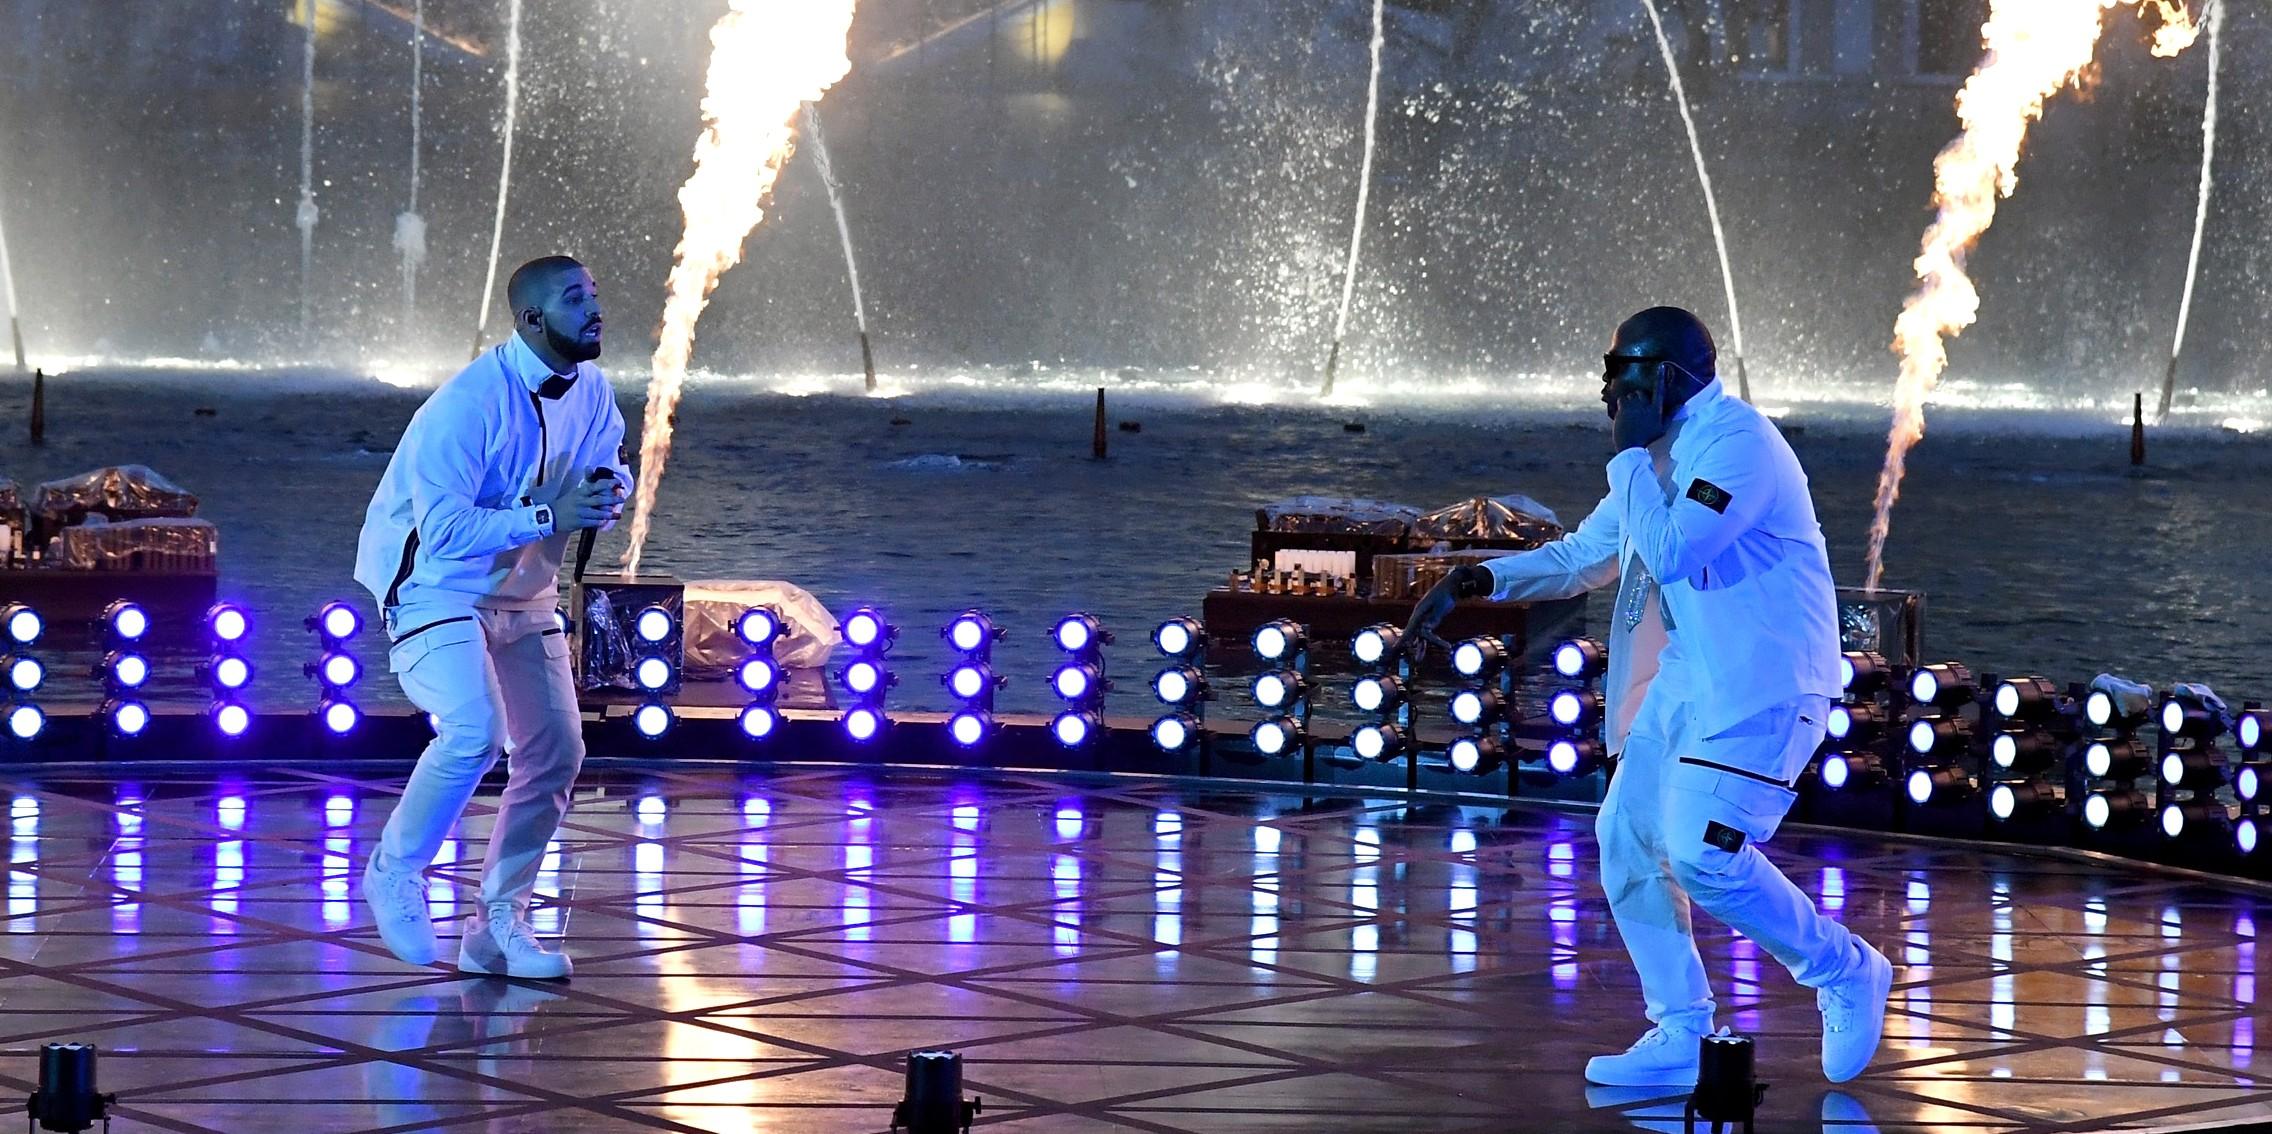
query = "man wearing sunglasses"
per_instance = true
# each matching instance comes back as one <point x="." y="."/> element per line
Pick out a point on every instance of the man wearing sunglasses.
<point x="1723" y="652"/>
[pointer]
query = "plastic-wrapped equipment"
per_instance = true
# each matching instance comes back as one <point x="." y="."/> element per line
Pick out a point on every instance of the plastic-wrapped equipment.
<point x="1488" y="517"/>
<point x="1337" y="514"/>
<point x="165" y="543"/>
<point x="713" y="606"/>
<point x="121" y="492"/>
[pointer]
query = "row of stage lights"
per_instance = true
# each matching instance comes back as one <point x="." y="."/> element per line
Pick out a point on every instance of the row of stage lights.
<point x="2040" y="752"/>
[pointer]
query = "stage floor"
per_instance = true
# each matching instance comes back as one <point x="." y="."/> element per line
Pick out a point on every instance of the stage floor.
<point x="757" y="953"/>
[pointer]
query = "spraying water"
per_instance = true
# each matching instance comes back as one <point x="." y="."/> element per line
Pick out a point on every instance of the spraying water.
<point x="1711" y="202"/>
<point x="768" y="59"/>
<point x="2036" y="48"/>
<point x="8" y="285"/>
<point x="1364" y="195"/>
<point x="305" y="215"/>
<point x="409" y="227"/>
<point x="505" y="170"/>
<point x="2212" y="16"/>
<point x="827" y="170"/>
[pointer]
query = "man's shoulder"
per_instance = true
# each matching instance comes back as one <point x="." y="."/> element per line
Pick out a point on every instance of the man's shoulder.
<point x="471" y="390"/>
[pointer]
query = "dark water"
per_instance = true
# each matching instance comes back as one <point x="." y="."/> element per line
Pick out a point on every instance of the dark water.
<point x="2039" y="547"/>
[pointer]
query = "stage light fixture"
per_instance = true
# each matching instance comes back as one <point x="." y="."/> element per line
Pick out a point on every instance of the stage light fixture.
<point x="228" y="673"/>
<point x="1477" y="707"/>
<point x="652" y="719"/>
<point x="1942" y="685"/>
<point x="2006" y="801"/>
<point x="2248" y="782"/>
<point x="2245" y="836"/>
<point x="758" y="676"/>
<point x="127" y="717"/>
<point x="2025" y="698"/>
<point x="2104" y="710"/>
<point x="1854" y="724"/>
<point x="2116" y="759"/>
<point x="1575" y="708"/>
<point x="970" y="681"/>
<point x="2014" y="752"/>
<point x="2193" y="768"/>
<point x="1078" y="681"/>
<point x="339" y="670"/>
<point x="2197" y="818"/>
<point x="561" y="621"/>
<point x="1479" y="659"/>
<point x="1079" y="634"/>
<point x="1839" y="769"/>
<point x="1376" y="645"/>
<point x="1179" y="685"/>
<point x="651" y="674"/>
<point x="1280" y="641"/>
<point x="339" y="715"/>
<point x="1572" y="756"/>
<point x="1179" y="637"/>
<point x="2248" y="728"/>
<point x="1175" y="731"/>
<point x="226" y="622"/>
<point x="969" y="727"/>
<point x="25" y="722"/>
<point x="1273" y="737"/>
<point x="1280" y="690"/>
<point x="2180" y="717"/>
<point x="1863" y="672"/>
<point x="125" y="621"/>
<point x="24" y="673"/>
<point x="759" y="722"/>
<point x="1936" y="737"/>
<point x="231" y="719"/>
<point x="1075" y="728"/>
<point x="123" y="670"/>
<point x="865" y="678"/>
<point x="22" y="624"/>
<point x="2104" y="809"/>
<point x="971" y="633"/>
<point x="1377" y="693"/>
<point x="1927" y="785"/>
<point x="864" y="724"/>
<point x="653" y="624"/>
<point x="66" y="1096"/>
<point x="865" y="629"/>
<point x="1377" y="741"/>
<point x="336" y="622"/>
<point x="1581" y="659"/>
<point x="1474" y="755"/>
<point x="759" y="627"/>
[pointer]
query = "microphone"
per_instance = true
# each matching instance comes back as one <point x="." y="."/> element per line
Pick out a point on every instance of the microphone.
<point x="584" y="545"/>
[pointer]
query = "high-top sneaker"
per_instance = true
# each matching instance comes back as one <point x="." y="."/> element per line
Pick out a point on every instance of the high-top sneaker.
<point x="499" y="943"/>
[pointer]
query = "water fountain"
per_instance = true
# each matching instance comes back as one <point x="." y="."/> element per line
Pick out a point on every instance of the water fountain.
<point x="768" y="59"/>
<point x="2212" y="16"/>
<point x="827" y="171"/>
<point x="1711" y="202"/>
<point x="305" y="216"/>
<point x="409" y="227"/>
<point x="504" y="169"/>
<point x="1364" y="196"/>
<point x="2035" y="49"/>
<point x="8" y="285"/>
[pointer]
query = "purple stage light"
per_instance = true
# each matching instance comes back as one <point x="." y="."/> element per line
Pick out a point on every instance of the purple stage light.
<point x="338" y="621"/>
<point x="339" y="716"/>
<point x="231" y="719"/>
<point x="227" y="622"/>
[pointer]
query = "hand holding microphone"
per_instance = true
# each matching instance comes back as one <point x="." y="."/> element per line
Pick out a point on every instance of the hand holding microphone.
<point x="592" y="504"/>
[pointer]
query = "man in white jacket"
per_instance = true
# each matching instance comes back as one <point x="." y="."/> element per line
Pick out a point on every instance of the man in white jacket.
<point x="462" y="547"/>
<point x="1723" y="661"/>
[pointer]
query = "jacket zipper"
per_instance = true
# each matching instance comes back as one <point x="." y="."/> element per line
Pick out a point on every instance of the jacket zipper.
<point x="430" y="626"/>
<point x="543" y="437"/>
<point x="402" y="572"/>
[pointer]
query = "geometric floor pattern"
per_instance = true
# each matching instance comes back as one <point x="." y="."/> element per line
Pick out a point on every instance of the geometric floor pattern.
<point x="757" y="953"/>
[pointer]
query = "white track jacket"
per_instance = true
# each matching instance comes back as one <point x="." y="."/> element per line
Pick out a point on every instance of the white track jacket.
<point x="463" y="516"/>
<point x="1714" y="534"/>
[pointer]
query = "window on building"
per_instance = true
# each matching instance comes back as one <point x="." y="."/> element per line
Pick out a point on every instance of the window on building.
<point x="1948" y="35"/>
<point x="1760" y="34"/>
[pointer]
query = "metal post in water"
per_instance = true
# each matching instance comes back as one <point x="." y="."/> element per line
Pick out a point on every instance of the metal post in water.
<point x="1096" y="442"/>
<point x="39" y="407"/>
<point x="2138" y="429"/>
<point x="868" y="361"/>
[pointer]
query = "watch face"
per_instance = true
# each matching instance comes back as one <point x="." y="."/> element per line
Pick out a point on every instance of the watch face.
<point x="544" y="517"/>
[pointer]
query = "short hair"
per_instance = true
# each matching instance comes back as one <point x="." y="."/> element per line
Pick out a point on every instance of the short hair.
<point x="525" y="289"/>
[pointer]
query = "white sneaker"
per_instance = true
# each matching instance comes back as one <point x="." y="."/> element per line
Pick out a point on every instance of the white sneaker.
<point x="501" y="944"/>
<point x="1662" y="1057"/>
<point x="397" y="900"/>
<point x="1853" y="1014"/>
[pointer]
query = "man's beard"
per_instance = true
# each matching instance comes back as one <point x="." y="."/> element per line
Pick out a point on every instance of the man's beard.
<point x="574" y="348"/>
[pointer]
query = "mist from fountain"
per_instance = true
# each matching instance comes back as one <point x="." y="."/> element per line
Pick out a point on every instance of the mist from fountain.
<point x="2212" y="16"/>
<point x="409" y="227"/>
<point x="827" y="170"/>
<point x="8" y="286"/>
<point x="1711" y="201"/>
<point x="305" y="216"/>
<point x="1364" y="196"/>
<point x="504" y="169"/>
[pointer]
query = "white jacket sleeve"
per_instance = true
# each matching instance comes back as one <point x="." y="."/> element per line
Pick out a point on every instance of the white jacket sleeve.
<point x="1578" y="562"/>
<point x="444" y="469"/>
<point x="1729" y="488"/>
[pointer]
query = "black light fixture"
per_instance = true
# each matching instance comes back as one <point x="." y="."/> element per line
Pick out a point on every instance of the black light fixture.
<point x="1282" y="690"/>
<point x="1727" y="1089"/>
<point x="1379" y="694"/>
<point x="1181" y="686"/>
<point x="68" y="1098"/>
<point x="2108" y="761"/>
<point x="933" y="1102"/>
<point x="1080" y="681"/>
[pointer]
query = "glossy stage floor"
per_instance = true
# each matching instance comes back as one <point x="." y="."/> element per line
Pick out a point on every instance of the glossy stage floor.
<point x="758" y="952"/>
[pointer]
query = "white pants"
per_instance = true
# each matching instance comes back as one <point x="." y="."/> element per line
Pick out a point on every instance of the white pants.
<point x="1665" y="831"/>
<point x="492" y="679"/>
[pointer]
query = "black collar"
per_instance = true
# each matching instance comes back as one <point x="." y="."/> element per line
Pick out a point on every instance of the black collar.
<point x="555" y="386"/>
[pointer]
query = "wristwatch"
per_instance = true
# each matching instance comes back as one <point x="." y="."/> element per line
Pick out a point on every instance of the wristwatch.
<point x="544" y="517"/>
<point x="1471" y="580"/>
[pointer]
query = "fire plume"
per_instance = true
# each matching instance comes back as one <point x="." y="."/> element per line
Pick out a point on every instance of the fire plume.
<point x="2035" y="49"/>
<point x="768" y="59"/>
